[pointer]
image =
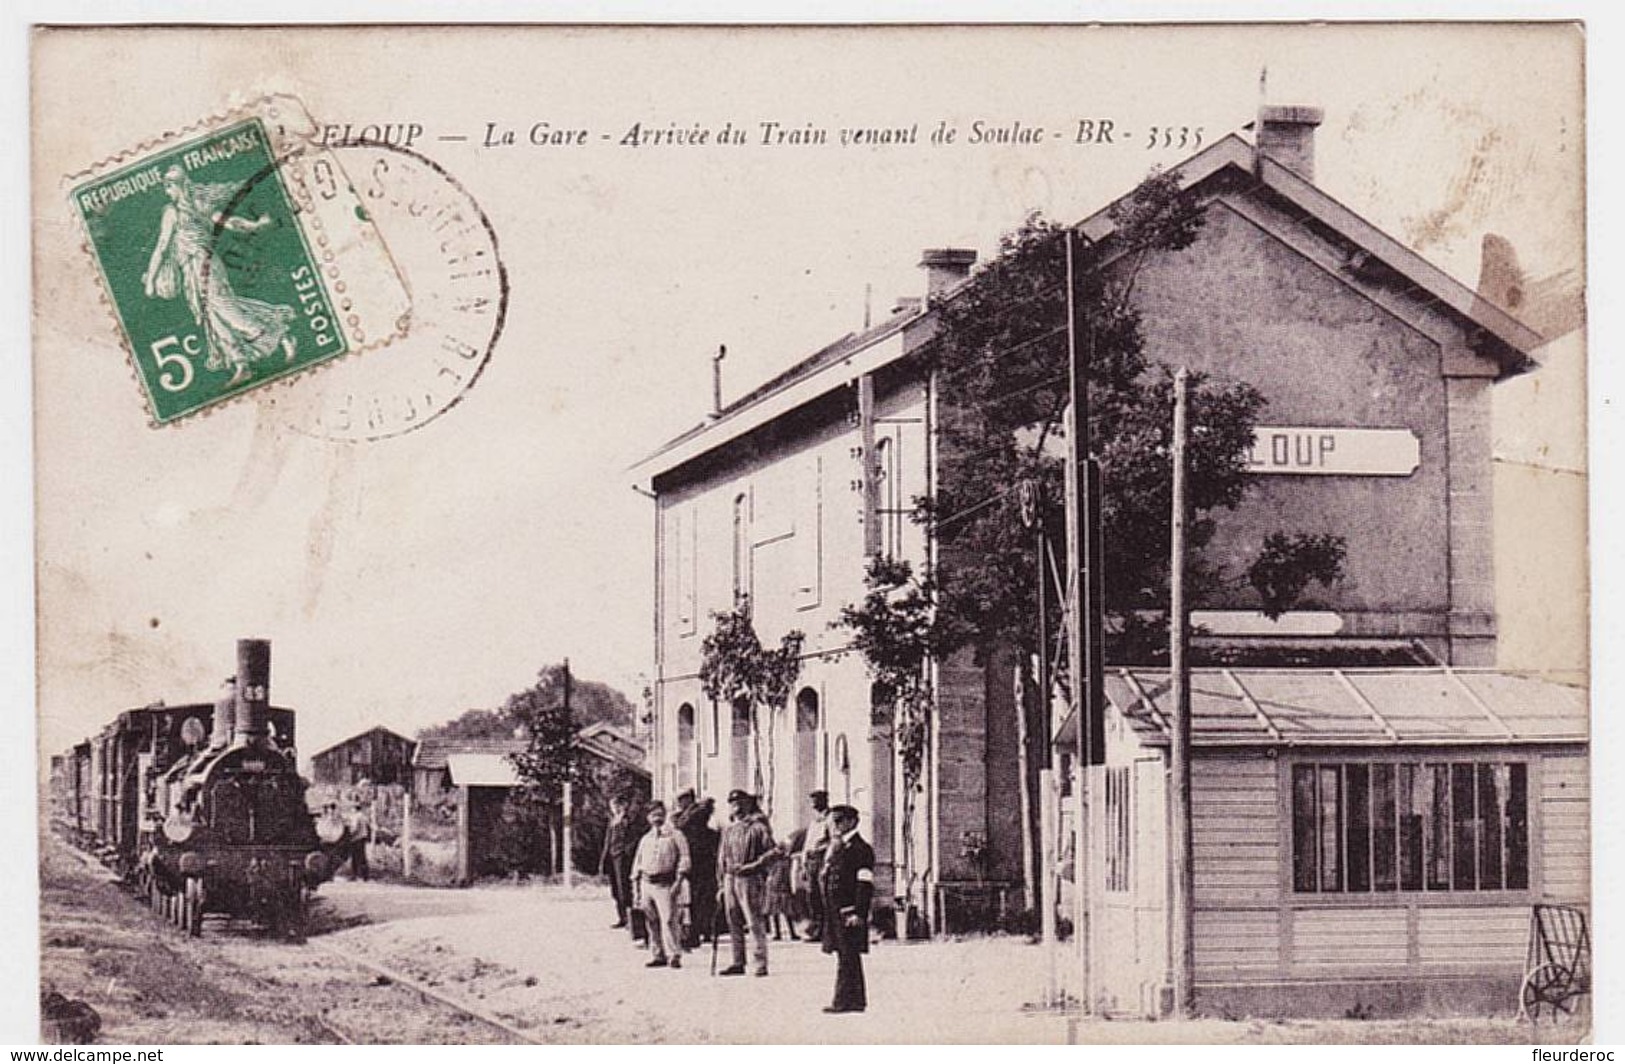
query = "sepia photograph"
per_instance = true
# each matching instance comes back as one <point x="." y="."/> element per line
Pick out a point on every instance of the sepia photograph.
<point x="769" y="534"/>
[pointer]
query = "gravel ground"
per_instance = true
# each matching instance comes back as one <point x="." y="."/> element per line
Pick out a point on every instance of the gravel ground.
<point x="152" y="985"/>
<point x="544" y="961"/>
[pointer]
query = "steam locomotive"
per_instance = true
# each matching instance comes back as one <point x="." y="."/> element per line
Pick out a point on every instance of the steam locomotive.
<point x="200" y="807"/>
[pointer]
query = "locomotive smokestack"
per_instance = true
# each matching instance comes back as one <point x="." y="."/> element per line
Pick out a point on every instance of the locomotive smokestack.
<point x="253" y="691"/>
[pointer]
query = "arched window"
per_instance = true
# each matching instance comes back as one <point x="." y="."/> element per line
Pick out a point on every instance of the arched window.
<point x="741" y="549"/>
<point x="806" y="747"/>
<point x="686" y="760"/>
<point x="739" y="753"/>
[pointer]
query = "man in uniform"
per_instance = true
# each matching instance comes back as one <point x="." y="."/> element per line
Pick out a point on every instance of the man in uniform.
<point x="742" y="860"/>
<point x="626" y="827"/>
<point x="848" y="887"/>
<point x="693" y="819"/>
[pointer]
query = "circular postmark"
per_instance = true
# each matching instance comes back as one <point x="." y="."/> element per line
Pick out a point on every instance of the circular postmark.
<point x="445" y="252"/>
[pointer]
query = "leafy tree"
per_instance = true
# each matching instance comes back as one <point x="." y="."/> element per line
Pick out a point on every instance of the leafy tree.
<point x="1001" y="357"/>
<point x="735" y="667"/>
<point x="474" y="724"/>
<point x="550" y="760"/>
<point x="895" y="630"/>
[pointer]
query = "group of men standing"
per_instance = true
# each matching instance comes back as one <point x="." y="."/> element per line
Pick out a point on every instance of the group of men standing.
<point x="681" y="863"/>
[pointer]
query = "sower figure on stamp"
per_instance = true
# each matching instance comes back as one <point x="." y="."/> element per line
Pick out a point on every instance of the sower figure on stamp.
<point x="849" y="886"/>
<point x="239" y="330"/>
<point x="658" y="870"/>
<point x="742" y="862"/>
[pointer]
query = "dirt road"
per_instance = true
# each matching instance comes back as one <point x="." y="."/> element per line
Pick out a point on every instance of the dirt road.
<point x="543" y="962"/>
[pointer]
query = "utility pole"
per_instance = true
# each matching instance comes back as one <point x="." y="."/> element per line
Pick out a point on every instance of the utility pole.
<point x="568" y="795"/>
<point x="1179" y="769"/>
<point x="1086" y="623"/>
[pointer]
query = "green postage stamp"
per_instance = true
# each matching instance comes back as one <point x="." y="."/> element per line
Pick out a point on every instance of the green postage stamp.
<point x="235" y="254"/>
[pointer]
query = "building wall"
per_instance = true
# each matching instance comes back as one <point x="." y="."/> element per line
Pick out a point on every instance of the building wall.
<point x="377" y="756"/>
<point x="779" y="517"/>
<point x="1259" y="298"/>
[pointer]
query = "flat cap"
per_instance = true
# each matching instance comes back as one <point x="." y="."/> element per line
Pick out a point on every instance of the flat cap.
<point x="845" y="812"/>
<point x="737" y="795"/>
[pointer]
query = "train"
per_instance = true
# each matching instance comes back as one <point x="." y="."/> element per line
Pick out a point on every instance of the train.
<point x="200" y="807"/>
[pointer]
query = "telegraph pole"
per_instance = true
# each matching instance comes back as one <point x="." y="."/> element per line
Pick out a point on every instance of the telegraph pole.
<point x="1085" y="621"/>
<point x="1179" y="769"/>
<point x="568" y="796"/>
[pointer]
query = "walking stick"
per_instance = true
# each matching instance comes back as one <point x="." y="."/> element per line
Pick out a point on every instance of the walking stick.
<point x="714" y="910"/>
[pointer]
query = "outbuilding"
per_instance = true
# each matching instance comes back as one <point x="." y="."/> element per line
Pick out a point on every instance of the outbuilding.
<point x="1365" y="841"/>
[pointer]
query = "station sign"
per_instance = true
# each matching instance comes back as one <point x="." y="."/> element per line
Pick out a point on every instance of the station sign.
<point x="1334" y="451"/>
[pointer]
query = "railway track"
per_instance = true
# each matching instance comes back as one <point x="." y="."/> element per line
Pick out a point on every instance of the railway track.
<point x="417" y="985"/>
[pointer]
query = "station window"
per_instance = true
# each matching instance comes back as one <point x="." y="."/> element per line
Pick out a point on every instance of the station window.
<point x="1119" y="828"/>
<point x="1388" y="826"/>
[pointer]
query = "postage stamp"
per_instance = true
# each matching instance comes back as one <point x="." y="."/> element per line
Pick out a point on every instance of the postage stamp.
<point x="235" y="254"/>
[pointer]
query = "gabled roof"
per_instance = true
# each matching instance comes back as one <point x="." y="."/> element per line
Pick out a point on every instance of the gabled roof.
<point x="432" y="753"/>
<point x="1428" y="280"/>
<point x="361" y="735"/>
<point x="1511" y="347"/>
<point x="611" y="743"/>
<point x="1351" y="707"/>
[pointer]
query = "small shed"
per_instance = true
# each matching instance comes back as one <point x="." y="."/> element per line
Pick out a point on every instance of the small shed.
<point x="431" y="776"/>
<point x="468" y="782"/>
<point x="1366" y="842"/>
<point x="377" y="755"/>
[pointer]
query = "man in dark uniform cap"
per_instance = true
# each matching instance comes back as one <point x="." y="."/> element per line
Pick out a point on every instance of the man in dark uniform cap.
<point x="849" y="885"/>
<point x="743" y="858"/>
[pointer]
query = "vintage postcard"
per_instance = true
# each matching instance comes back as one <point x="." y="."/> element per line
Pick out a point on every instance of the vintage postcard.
<point x="862" y="534"/>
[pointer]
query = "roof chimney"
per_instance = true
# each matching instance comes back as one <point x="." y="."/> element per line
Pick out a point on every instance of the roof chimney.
<point x="716" y="380"/>
<point x="944" y="268"/>
<point x="1287" y="135"/>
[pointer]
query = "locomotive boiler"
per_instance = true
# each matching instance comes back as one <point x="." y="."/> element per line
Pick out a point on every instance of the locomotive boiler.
<point x="201" y="806"/>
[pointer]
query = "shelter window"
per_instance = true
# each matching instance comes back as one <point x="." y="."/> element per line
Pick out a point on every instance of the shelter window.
<point x="1363" y="827"/>
<point x="1119" y="828"/>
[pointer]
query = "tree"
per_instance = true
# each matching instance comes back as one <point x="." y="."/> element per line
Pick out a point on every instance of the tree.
<point x="895" y="630"/>
<point x="543" y="714"/>
<point x="474" y="724"/>
<point x="1001" y="358"/>
<point x="735" y="668"/>
<point x="547" y="719"/>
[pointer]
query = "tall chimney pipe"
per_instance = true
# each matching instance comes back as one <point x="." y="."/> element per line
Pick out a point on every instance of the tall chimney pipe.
<point x="253" y="691"/>
<point x="716" y="380"/>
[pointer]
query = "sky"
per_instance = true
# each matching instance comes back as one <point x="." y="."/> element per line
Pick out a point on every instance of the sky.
<point x="459" y="559"/>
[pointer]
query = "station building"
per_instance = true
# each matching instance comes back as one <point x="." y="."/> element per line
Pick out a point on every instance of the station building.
<point x="1378" y="370"/>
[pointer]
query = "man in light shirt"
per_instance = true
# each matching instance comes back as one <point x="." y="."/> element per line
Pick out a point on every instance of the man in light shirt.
<point x="813" y="852"/>
<point x="659" y="869"/>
